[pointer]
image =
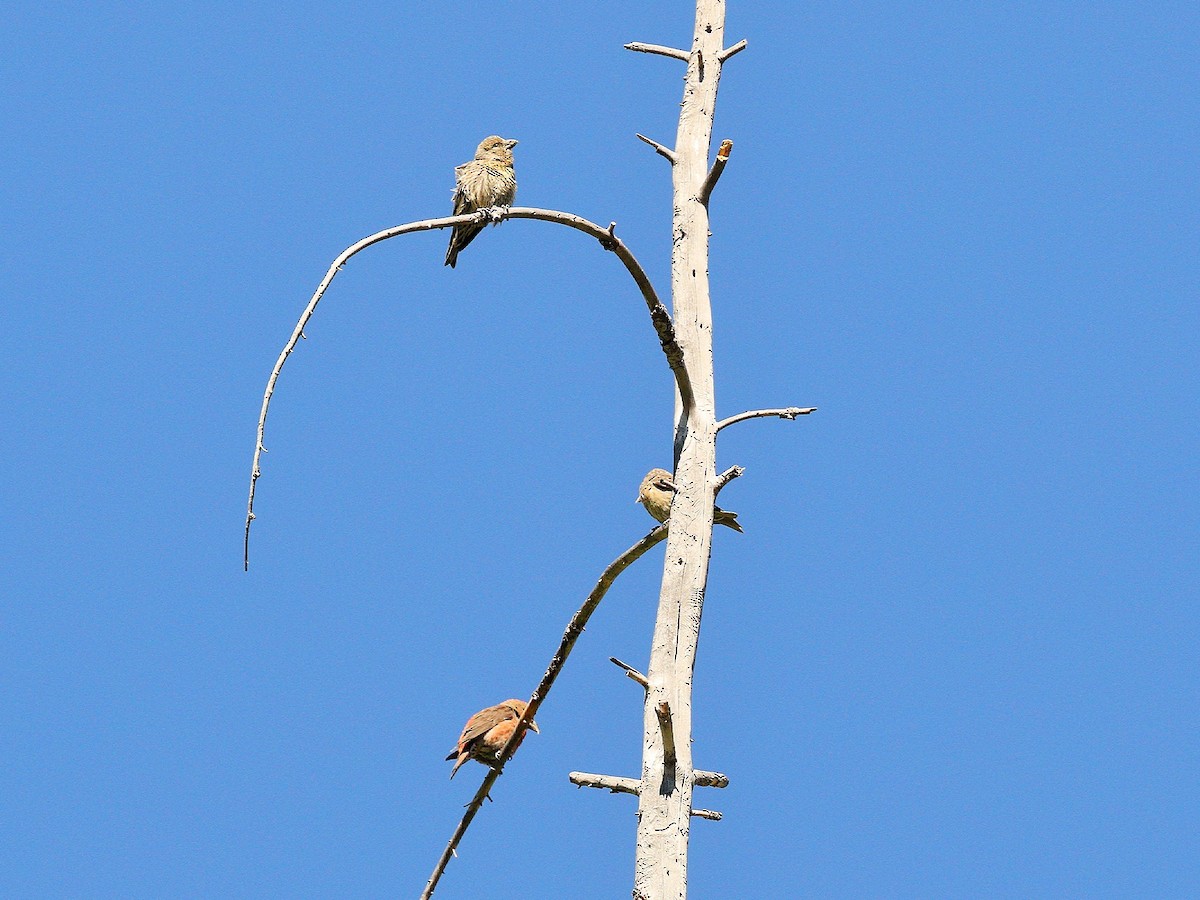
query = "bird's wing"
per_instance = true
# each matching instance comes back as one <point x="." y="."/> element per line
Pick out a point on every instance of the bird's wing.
<point x="466" y="191"/>
<point x="482" y="722"/>
<point x="461" y="203"/>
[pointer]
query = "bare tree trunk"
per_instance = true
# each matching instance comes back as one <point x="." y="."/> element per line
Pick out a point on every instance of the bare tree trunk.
<point x="665" y="799"/>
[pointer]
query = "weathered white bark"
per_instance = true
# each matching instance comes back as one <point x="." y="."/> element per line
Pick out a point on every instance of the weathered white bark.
<point x="665" y="798"/>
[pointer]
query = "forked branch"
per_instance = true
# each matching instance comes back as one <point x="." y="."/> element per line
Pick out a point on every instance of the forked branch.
<point x="570" y="636"/>
<point x="659" y="316"/>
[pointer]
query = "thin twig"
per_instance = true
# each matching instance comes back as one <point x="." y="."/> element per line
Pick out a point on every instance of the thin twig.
<point x="614" y="783"/>
<point x="639" y="47"/>
<point x="714" y="173"/>
<point x="790" y="413"/>
<point x="710" y="814"/>
<point x="732" y="51"/>
<point x="570" y="636"/>
<point x="665" y="152"/>
<point x="659" y="316"/>
<point x="631" y="672"/>
<point x="727" y="476"/>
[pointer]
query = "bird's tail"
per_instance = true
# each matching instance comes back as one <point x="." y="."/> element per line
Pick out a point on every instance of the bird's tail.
<point x="725" y="517"/>
<point x="459" y="238"/>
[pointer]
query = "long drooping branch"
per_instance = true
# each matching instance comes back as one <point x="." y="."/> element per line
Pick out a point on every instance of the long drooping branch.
<point x="659" y="316"/>
<point x="570" y="636"/>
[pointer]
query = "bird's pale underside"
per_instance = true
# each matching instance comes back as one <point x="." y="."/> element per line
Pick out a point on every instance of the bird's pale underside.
<point x="487" y="181"/>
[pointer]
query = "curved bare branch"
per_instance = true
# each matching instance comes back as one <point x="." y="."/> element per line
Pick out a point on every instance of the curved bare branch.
<point x="570" y="636"/>
<point x="659" y="316"/>
<point x="790" y="413"/>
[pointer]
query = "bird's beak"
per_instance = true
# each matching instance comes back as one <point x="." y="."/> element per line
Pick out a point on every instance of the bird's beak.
<point x="512" y="144"/>
<point x="637" y="499"/>
<point x="533" y="725"/>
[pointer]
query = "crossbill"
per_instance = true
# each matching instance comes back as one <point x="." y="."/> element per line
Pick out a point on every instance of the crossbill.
<point x="658" y="490"/>
<point x="486" y="733"/>
<point x="487" y="180"/>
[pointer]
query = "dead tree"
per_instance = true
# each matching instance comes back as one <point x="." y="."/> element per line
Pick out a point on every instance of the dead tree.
<point x="668" y="777"/>
<point x="665" y="799"/>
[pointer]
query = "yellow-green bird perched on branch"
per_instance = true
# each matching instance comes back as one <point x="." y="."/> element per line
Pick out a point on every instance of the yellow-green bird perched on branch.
<point x="658" y="490"/>
<point x="487" y="180"/>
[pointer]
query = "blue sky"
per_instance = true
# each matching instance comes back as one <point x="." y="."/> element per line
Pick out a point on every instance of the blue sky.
<point x="954" y="654"/>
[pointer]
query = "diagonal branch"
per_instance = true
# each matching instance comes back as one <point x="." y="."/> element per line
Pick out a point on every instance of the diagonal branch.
<point x="714" y="173"/>
<point x="659" y="316"/>
<point x="663" y="151"/>
<point x="570" y="636"/>
<point x="631" y="672"/>
<point x="732" y="51"/>
<point x="790" y="413"/>
<point x="725" y="477"/>
<point x="672" y="52"/>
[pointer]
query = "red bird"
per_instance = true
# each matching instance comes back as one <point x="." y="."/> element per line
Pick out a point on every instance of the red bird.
<point x="486" y="733"/>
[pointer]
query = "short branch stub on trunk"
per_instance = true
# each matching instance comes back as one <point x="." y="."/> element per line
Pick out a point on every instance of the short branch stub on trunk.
<point x="666" y="152"/>
<point x="614" y="783"/>
<point x="639" y="47"/>
<point x="701" y="778"/>
<point x="631" y="672"/>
